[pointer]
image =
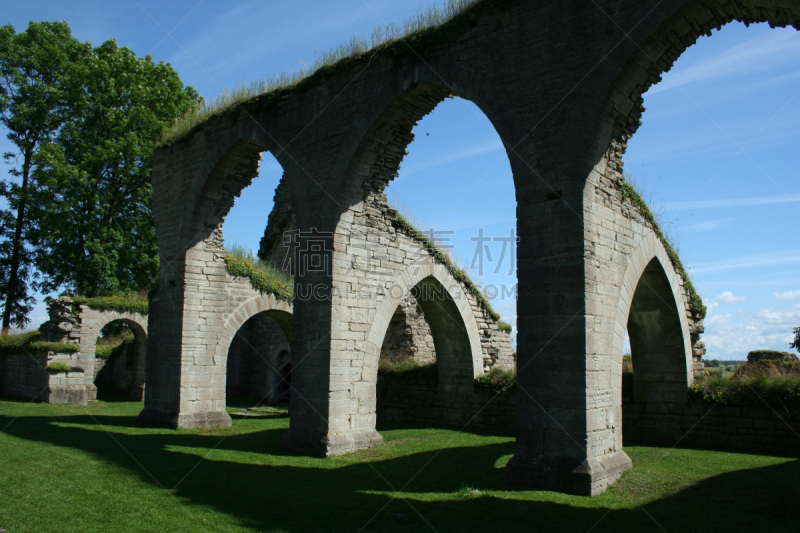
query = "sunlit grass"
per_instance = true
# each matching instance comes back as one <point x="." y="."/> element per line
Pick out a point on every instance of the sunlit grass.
<point x="96" y="468"/>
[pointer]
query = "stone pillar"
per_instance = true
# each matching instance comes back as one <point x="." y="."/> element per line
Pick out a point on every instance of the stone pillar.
<point x="185" y="383"/>
<point x="565" y="421"/>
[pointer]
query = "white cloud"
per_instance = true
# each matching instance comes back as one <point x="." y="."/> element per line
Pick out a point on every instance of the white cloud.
<point x="727" y="297"/>
<point x="710" y="225"/>
<point x="735" y="202"/>
<point x="791" y="256"/>
<point x="732" y="336"/>
<point x="787" y="295"/>
<point x="768" y="50"/>
<point x="474" y="151"/>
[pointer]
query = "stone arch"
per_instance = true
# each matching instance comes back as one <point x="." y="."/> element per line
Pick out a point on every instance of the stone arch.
<point x="371" y="158"/>
<point x="277" y="309"/>
<point x="93" y="321"/>
<point x="666" y="42"/>
<point x="259" y="374"/>
<point x="453" y="346"/>
<point x="230" y="166"/>
<point x="652" y="308"/>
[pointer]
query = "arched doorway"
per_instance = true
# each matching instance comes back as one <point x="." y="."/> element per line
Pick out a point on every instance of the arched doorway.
<point x="259" y="363"/>
<point x="120" y="359"/>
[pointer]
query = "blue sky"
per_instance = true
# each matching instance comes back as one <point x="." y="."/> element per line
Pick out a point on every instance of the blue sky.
<point x="716" y="155"/>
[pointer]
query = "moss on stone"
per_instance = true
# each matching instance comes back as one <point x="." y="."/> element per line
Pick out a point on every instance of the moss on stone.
<point x="57" y="367"/>
<point x="695" y="301"/>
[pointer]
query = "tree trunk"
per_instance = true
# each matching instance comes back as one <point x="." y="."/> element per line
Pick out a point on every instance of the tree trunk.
<point x="12" y="292"/>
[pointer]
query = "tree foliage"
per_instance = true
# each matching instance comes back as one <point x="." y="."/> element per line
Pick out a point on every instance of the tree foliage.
<point x="34" y="103"/>
<point x="796" y="342"/>
<point x="95" y="231"/>
<point x="84" y="122"/>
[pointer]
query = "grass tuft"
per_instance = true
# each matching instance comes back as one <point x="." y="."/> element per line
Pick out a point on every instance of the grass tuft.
<point x="263" y="276"/>
<point x="382" y="39"/>
<point x="695" y="301"/>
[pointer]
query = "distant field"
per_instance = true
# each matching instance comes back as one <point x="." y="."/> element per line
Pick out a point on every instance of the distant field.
<point x="71" y="468"/>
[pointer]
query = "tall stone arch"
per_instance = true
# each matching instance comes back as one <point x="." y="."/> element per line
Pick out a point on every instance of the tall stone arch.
<point x="451" y="300"/>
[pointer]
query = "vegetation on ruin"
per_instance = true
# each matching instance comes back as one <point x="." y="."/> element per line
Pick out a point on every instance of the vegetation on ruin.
<point x="58" y="367"/>
<point x="131" y="303"/>
<point x="106" y="348"/>
<point x="31" y="341"/>
<point x="443" y="258"/>
<point x="241" y="479"/>
<point x="431" y="27"/>
<point x="504" y="326"/>
<point x="765" y="384"/>
<point x="409" y="371"/>
<point x="629" y="192"/>
<point x="497" y="380"/>
<point x="263" y="276"/>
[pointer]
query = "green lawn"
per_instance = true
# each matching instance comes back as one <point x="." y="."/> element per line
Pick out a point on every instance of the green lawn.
<point x="71" y="468"/>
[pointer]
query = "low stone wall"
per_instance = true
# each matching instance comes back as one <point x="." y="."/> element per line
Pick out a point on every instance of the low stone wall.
<point x="746" y="429"/>
<point x="422" y="402"/>
<point x="25" y="377"/>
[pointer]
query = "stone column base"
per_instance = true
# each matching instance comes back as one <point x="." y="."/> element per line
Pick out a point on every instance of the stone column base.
<point x="72" y="394"/>
<point x="321" y="445"/>
<point x="589" y="477"/>
<point x="185" y="420"/>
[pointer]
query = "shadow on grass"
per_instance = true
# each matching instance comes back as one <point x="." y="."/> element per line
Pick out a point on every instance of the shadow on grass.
<point x="248" y="476"/>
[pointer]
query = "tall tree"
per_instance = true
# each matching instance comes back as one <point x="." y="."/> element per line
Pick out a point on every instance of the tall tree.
<point x="95" y="232"/>
<point x="34" y="103"/>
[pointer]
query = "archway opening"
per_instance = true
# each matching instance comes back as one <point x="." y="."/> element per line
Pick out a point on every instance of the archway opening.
<point x="658" y="351"/>
<point x="259" y="361"/>
<point x="120" y="359"/>
<point x="452" y="198"/>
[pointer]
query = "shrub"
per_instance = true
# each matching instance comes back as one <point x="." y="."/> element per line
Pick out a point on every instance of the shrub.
<point x="108" y="348"/>
<point x="496" y="380"/>
<point x="57" y="367"/>
<point x="750" y="387"/>
<point x="757" y="356"/>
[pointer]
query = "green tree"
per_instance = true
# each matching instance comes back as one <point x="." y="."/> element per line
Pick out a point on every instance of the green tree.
<point x="95" y="233"/>
<point x="34" y="103"/>
<point x="796" y="342"/>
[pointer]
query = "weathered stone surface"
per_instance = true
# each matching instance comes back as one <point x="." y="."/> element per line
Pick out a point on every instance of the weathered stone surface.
<point x="562" y="84"/>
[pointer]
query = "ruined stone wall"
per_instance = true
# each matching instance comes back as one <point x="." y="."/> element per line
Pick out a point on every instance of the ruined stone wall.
<point x="409" y="335"/>
<point x="24" y="376"/>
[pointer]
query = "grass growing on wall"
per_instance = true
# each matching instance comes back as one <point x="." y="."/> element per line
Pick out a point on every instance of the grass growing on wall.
<point x="134" y="303"/>
<point x="58" y="367"/>
<point x="695" y="301"/>
<point x="264" y="277"/>
<point x="430" y="27"/>
<point x="441" y="257"/>
<point x="31" y="341"/>
<point x="504" y="326"/>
